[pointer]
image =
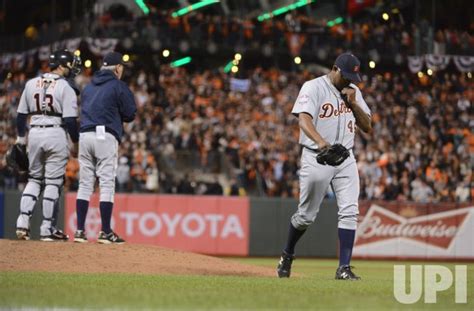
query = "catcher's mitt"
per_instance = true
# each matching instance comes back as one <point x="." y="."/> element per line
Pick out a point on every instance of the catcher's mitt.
<point x="333" y="155"/>
<point x="17" y="158"/>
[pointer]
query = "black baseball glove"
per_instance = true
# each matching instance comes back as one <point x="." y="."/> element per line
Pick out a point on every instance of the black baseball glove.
<point x="333" y="155"/>
<point x="17" y="158"/>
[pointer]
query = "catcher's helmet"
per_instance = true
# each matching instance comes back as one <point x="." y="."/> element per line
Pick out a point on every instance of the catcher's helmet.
<point x="65" y="59"/>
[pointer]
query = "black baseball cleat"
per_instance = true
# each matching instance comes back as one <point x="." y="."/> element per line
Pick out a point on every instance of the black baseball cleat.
<point x="284" y="267"/>
<point x="56" y="236"/>
<point x="80" y="236"/>
<point x="109" y="238"/>
<point x="345" y="273"/>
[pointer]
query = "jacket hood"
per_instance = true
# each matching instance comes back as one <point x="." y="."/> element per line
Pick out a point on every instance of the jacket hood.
<point x="103" y="76"/>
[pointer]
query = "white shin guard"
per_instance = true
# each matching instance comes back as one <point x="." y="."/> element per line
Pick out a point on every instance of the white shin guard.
<point x="51" y="195"/>
<point x="27" y="203"/>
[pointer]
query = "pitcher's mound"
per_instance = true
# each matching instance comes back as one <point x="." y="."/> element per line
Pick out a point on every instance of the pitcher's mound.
<point x="125" y="258"/>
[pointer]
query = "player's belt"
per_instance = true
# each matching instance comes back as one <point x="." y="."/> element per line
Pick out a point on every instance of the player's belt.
<point x="47" y="113"/>
<point x="46" y="126"/>
<point x="311" y="149"/>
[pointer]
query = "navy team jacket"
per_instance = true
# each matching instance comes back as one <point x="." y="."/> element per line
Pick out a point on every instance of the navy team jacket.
<point x="107" y="101"/>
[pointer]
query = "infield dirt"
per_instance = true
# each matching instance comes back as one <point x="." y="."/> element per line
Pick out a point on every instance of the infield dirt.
<point x="126" y="258"/>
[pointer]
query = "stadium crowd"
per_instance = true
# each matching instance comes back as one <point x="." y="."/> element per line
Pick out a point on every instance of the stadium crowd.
<point x="392" y="39"/>
<point x="421" y="147"/>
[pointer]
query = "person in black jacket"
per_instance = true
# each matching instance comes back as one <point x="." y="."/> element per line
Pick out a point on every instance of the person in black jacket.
<point x="106" y="102"/>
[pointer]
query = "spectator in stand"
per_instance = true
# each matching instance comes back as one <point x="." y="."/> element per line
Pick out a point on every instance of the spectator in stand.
<point x="215" y="188"/>
<point x="186" y="185"/>
<point x="123" y="175"/>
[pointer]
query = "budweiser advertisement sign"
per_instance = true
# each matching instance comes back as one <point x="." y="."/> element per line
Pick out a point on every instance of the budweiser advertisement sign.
<point x="202" y="224"/>
<point x="415" y="231"/>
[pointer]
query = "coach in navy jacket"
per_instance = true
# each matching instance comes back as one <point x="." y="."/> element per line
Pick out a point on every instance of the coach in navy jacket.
<point x="107" y="100"/>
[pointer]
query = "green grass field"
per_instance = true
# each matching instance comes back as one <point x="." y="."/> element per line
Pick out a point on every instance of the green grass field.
<point x="314" y="289"/>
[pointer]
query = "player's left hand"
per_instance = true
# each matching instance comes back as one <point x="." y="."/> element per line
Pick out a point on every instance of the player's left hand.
<point x="17" y="158"/>
<point x="333" y="155"/>
<point x="348" y="95"/>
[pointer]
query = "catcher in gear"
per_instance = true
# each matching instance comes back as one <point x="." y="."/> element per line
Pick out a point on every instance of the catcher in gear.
<point x="52" y="104"/>
<point x="328" y="109"/>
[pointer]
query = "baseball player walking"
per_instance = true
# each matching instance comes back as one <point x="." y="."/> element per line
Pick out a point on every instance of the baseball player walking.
<point x="52" y="104"/>
<point x="106" y="103"/>
<point x="329" y="109"/>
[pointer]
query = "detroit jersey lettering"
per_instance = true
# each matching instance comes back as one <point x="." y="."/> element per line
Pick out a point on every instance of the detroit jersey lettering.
<point x="332" y="119"/>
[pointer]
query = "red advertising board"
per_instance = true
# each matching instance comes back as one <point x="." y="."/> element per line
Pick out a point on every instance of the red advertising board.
<point x="421" y="231"/>
<point x="203" y="224"/>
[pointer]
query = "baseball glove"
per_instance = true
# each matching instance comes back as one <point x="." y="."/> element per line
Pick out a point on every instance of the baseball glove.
<point x="333" y="155"/>
<point x="17" y="158"/>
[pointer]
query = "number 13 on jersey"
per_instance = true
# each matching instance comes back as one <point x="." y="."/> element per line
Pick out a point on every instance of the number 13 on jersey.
<point x="48" y="100"/>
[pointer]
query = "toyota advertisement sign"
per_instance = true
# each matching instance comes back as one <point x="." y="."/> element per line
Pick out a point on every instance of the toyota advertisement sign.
<point x="202" y="224"/>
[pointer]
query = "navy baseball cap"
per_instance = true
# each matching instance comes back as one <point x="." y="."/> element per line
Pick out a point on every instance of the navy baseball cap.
<point x="113" y="58"/>
<point x="349" y="66"/>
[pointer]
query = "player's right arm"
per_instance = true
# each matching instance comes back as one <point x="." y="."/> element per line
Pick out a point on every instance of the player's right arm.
<point x="70" y="114"/>
<point x="305" y="122"/>
<point x="306" y="107"/>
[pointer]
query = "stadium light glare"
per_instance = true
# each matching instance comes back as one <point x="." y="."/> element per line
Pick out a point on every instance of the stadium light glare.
<point x="284" y="9"/>
<point x="77" y="52"/>
<point x="126" y="57"/>
<point x="228" y="67"/>
<point x="181" y="62"/>
<point x="141" y="4"/>
<point x="166" y="53"/>
<point x="385" y="16"/>
<point x="372" y="64"/>
<point x="235" y="69"/>
<point x="88" y="63"/>
<point x="335" y="21"/>
<point x="297" y="60"/>
<point x="192" y="7"/>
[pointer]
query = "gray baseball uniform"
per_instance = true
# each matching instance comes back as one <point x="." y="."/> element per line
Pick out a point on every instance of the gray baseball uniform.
<point x="48" y="99"/>
<point x="336" y="124"/>
<point x="328" y="108"/>
<point x="98" y="152"/>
